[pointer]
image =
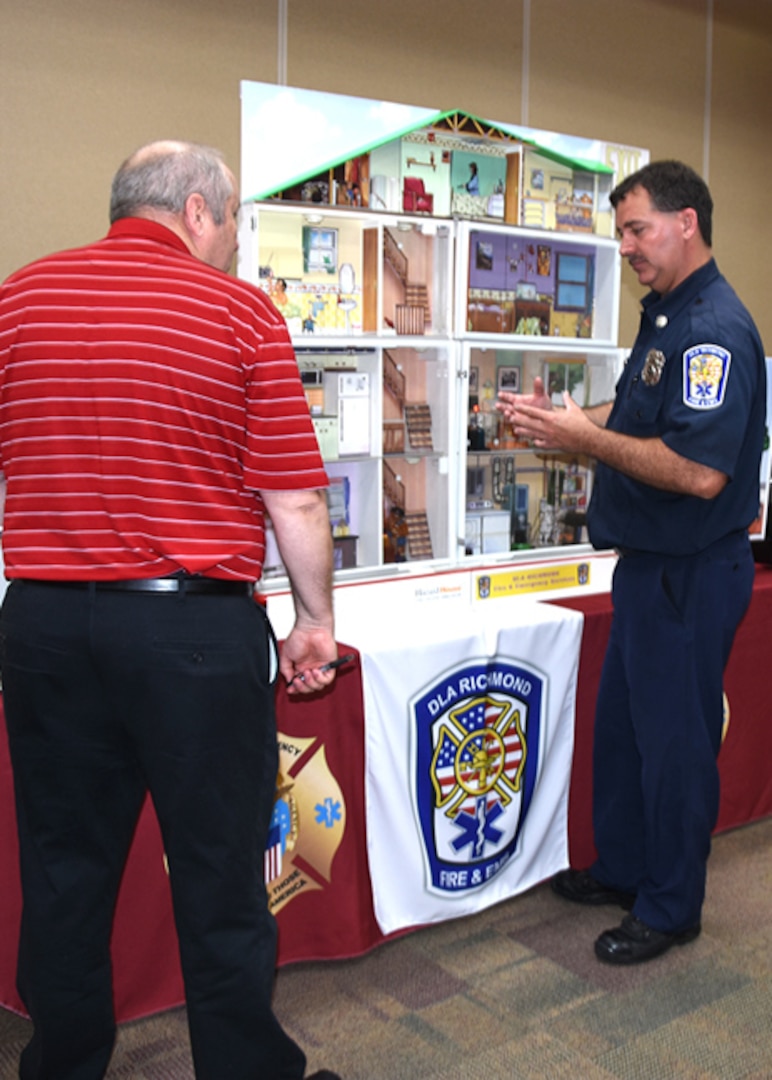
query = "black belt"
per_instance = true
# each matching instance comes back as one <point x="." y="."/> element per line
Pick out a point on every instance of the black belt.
<point x="173" y="586"/>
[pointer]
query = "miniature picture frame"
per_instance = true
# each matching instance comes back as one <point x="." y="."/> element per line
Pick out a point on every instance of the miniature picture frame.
<point x="508" y="378"/>
<point x="483" y="255"/>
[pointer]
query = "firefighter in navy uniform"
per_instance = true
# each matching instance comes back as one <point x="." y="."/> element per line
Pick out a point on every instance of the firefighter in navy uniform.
<point x="676" y="487"/>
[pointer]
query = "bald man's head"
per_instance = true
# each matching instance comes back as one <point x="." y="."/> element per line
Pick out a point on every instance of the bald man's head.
<point x="162" y="175"/>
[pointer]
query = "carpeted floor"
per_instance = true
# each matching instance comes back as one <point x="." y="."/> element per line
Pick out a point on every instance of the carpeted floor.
<point x="517" y="993"/>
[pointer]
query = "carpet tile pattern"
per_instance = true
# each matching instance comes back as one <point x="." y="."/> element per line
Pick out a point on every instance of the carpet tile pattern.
<point x="516" y="993"/>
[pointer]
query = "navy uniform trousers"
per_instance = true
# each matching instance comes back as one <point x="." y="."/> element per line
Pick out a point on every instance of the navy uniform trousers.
<point x="658" y="724"/>
<point x="108" y="694"/>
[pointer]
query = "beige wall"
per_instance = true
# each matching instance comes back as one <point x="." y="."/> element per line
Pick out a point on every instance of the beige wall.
<point x="83" y="82"/>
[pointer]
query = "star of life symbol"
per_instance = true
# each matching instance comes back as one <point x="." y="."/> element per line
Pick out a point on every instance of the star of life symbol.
<point x="477" y="761"/>
<point x="706" y="372"/>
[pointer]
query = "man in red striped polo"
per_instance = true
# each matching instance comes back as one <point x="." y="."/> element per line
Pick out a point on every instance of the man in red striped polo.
<point x="151" y="415"/>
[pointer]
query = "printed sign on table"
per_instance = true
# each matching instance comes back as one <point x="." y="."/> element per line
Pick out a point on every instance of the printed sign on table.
<point x="469" y="740"/>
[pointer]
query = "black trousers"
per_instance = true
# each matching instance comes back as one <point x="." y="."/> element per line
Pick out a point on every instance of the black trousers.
<point x="108" y="695"/>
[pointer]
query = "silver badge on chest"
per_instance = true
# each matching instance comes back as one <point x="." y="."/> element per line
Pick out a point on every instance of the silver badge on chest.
<point x="652" y="367"/>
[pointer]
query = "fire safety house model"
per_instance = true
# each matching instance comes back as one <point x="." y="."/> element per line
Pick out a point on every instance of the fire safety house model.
<point x="423" y="260"/>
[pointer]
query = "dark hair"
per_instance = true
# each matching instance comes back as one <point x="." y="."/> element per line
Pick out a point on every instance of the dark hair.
<point x="671" y="186"/>
<point x="163" y="175"/>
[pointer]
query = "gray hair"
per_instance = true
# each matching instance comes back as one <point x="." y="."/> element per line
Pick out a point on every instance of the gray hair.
<point x="162" y="176"/>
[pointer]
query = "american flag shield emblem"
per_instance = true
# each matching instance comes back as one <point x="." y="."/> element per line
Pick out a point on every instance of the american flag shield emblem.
<point x="477" y="738"/>
<point x="273" y="854"/>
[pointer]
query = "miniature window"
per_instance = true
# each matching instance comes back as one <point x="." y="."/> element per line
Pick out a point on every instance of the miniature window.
<point x="570" y="375"/>
<point x="572" y="282"/>
<point x="320" y="250"/>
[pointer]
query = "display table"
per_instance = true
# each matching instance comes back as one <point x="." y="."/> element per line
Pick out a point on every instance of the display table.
<point x="334" y="919"/>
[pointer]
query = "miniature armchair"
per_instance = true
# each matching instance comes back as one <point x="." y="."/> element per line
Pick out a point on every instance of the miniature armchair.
<point x="414" y="197"/>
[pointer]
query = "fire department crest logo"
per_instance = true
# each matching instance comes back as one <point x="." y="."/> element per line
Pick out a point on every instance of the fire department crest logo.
<point x="477" y="737"/>
<point x="308" y="822"/>
<point x="706" y="371"/>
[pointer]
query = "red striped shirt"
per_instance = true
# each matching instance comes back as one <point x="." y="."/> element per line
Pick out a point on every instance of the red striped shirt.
<point x="145" y="400"/>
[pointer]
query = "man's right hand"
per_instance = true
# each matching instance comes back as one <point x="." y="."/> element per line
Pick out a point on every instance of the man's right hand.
<point x="302" y="656"/>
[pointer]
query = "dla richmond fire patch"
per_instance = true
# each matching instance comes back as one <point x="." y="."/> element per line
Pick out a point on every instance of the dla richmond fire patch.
<point x="706" y="372"/>
<point x="477" y="738"/>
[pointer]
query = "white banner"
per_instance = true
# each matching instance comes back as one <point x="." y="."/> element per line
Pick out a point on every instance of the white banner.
<point x="469" y="728"/>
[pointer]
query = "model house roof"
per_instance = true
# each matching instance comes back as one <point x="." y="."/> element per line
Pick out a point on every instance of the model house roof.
<point x="291" y="135"/>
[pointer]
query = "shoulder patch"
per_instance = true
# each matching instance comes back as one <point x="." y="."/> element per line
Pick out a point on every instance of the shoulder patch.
<point x="706" y="372"/>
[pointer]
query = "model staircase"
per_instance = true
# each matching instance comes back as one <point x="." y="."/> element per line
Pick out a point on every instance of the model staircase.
<point x="418" y="419"/>
<point x="419" y="540"/>
<point x="416" y="293"/>
<point x="418" y="296"/>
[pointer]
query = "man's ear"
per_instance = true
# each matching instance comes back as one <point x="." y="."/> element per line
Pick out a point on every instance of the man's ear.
<point x="195" y="208"/>
<point x="689" y="222"/>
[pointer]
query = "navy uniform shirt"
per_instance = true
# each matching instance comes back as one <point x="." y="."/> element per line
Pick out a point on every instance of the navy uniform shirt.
<point x="696" y="378"/>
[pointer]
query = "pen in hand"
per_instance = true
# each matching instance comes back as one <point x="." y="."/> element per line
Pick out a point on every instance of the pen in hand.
<point x="329" y="666"/>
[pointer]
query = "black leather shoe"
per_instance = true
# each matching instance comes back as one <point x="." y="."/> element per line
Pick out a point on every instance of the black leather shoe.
<point x="633" y="942"/>
<point x="582" y="888"/>
<point x="323" y="1074"/>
